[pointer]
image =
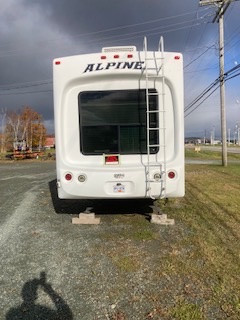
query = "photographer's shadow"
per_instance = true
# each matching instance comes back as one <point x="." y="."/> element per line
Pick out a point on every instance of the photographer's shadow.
<point x="30" y="310"/>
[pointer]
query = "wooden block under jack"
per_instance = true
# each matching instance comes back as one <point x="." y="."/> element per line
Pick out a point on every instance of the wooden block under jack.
<point x="86" y="218"/>
<point x="162" y="219"/>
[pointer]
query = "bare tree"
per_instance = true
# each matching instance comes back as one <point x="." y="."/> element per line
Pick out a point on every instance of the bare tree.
<point x="25" y="126"/>
<point x="3" y="117"/>
<point x="13" y="127"/>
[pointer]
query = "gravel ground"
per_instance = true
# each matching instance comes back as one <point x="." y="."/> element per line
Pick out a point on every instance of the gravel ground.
<point x="124" y="268"/>
<point x="51" y="269"/>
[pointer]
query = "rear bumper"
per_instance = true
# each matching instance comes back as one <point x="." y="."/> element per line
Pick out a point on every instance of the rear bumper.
<point x="117" y="183"/>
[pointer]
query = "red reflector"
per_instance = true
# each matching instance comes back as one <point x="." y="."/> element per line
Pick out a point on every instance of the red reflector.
<point x="111" y="159"/>
<point x="116" y="56"/>
<point x="129" y="55"/>
<point x="171" y="174"/>
<point x="57" y="62"/>
<point x="103" y="57"/>
<point x="68" y="176"/>
<point x="177" y="57"/>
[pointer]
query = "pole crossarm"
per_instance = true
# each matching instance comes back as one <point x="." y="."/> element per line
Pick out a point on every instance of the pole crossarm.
<point x="210" y="2"/>
<point x="221" y="10"/>
<point x="214" y="2"/>
<point x="221" y="4"/>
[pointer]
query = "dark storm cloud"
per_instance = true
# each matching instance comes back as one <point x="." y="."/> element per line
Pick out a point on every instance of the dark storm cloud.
<point x="81" y="17"/>
<point x="33" y="32"/>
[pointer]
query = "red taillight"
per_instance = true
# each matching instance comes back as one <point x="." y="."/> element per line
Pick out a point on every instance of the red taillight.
<point x="177" y="57"/>
<point x="111" y="159"/>
<point x="68" y="176"/>
<point x="103" y="57"/>
<point x="129" y="55"/>
<point x="171" y="174"/>
<point x="116" y="56"/>
<point x="57" y="62"/>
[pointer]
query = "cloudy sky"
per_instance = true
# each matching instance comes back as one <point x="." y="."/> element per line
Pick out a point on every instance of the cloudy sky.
<point x="34" y="32"/>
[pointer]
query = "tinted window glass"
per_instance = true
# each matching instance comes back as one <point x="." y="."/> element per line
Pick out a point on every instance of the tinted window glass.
<point x="115" y="121"/>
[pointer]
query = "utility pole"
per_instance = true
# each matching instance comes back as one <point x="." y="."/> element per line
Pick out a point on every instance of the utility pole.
<point x="238" y="135"/>
<point x="222" y="86"/>
<point x="222" y="6"/>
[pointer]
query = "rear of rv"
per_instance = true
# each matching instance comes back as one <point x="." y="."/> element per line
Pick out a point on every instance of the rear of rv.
<point x="119" y="124"/>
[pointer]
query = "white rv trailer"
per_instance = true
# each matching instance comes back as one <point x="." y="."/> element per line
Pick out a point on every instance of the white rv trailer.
<point x="119" y="124"/>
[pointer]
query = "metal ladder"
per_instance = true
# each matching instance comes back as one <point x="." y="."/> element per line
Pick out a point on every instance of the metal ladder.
<point x="155" y="71"/>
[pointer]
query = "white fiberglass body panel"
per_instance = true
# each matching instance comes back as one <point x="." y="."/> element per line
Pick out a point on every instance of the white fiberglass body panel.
<point x="79" y="134"/>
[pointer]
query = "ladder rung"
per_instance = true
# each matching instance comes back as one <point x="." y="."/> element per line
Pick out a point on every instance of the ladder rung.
<point x="160" y="128"/>
<point x="153" y="145"/>
<point x="155" y="165"/>
<point x="155" y="93"/>
<point x="156" y="76"/>
<point x="154" y="111"/>
<point x="156" y="145"/>
<point x="152" y="69"/>
<point x="154" y="128"/>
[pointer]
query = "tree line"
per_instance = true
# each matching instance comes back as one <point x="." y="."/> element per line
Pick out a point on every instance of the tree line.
<point x="22" y="130"/>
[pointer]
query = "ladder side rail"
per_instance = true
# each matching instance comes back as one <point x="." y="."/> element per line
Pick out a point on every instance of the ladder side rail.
<point x="147" y="115"/>
<point x="158" y="70"/>
<point x="161" y="47"/>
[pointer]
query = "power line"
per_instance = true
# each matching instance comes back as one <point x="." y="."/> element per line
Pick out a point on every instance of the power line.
<point x="200" y="70"/>
<point x="25" y="92"/>
<point x="126" y="26"/>
<point x="189" y="32"/>
<point x="233" y="76"/>
<point x="201" y="102"/>
<point x="123" y="37"/>
<point x="236" y="75"/>
<point x="227" y="76"/>
<point x="206" y="90"/>
<point x="199" y="97"/>
<point x="152" y="34"/>
<point x="25" y="85"/>
<point x="159" y="28"/>
<point x="199" y="56"/>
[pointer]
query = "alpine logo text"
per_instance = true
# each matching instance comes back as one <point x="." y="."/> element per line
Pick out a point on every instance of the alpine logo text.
<point x="137" y="65"/>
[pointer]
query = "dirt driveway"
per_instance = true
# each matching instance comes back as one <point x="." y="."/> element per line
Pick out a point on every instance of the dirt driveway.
<point x="51" y="267"/>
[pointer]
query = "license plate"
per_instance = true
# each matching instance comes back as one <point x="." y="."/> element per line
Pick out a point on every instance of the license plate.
<point x="119" y="188"/>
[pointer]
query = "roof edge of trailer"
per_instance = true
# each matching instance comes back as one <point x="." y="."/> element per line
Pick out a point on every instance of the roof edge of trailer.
<point x="177" y="54"/>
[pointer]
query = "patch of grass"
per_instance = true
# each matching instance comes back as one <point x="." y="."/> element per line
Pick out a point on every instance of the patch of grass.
<point x="144" y="235"/>
<point x="189" y="271"/>
<point x="209" y="259"/>
<point x="208" y="154"/>
<point x="131" y="227"/>
<point x="202" y="154"/>
<point x="187" y="311"/>
<point x="126" y="263"/>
